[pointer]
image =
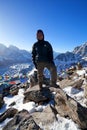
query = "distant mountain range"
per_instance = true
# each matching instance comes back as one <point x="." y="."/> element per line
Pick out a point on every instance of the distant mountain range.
<point x="65" y="60"/>
<point x="12" y="55"/>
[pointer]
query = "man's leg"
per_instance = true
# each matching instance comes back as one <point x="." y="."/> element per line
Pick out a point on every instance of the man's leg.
<point x="40" y="68"/>
<point x="53" y="72"/>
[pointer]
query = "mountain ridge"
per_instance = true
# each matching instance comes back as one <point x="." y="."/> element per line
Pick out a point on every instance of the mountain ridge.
<point x="12" y="55"/>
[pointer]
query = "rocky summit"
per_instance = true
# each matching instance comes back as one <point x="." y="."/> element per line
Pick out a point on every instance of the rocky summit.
<point x="55" y="101"/>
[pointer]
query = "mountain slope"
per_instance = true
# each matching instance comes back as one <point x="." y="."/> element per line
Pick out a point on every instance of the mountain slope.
<point x="65" y="60"/>
<point x="13" y="55"/>
<point x="81" y="50"/>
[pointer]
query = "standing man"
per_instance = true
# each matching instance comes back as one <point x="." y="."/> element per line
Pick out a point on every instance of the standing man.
<point x="42" y="56"/>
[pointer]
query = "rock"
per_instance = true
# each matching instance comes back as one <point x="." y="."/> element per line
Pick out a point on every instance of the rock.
<point x="28" y="124"/>
<point x="12" y="104"/>
<point x="71" y="70"/>
<point x="1" y="101"/>
<point x="14" y="90"/>
<point x="60" y="78"/>
<point x="68" y="107"/>
<point x="46" y="117"/>
<point x="85" y="91"/>
<point x="78" y="83"/>
<point x="74" y="83"/>
<point x="79" y="66"/>
<point x="24" y="85"/>
<point x="9" y="113"/>
<point x="34" y="79"/>
<point x="64" y="83"/>
<point x="22" y="121"/>
<point x="34" y="94"/>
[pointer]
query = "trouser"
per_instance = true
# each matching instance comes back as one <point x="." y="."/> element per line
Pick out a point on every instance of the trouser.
<point x="51" y="67"/>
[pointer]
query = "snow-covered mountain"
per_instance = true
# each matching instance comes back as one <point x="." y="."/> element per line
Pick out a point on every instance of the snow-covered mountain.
<point x="10" y="55"/>
<point x="13" y="55"/>
<point x="81" y="50"/>
<point x="68" y="57"/>
<point x="55" y="54"/>
<point x="65" y="60"/>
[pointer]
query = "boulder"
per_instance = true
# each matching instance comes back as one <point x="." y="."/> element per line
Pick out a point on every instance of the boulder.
<point x="24" y="85"/>
<point x="85" y="91"/>
<point x="78" y="83"/>
<point x="9" y="113"/>
<point x="79" y="66"/>
<point x="74" y="83"/>
<point x="22" y="121"/>
<point x="1" y="101"/>
<point x="28" y="124"/>
<point x="37" y="95"/>
<point x="46" y="117"/>
<point x="14" y="90"/>
<point x="65" y="82"/>
<point x="68" y="107"/>
<point x="34" y="79"/>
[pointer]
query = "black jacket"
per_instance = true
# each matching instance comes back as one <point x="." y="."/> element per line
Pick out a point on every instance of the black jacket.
<point x="42" y="52"/>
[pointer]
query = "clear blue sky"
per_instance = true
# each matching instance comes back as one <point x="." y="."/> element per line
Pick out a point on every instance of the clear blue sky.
<point x="64" y="22"/>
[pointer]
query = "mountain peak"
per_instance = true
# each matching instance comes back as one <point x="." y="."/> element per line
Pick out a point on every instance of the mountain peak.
<point x="12" y="54"/>
<point x="14" y="48"/>
<point x="2" y="46"/>
<point x="81" y="50"/>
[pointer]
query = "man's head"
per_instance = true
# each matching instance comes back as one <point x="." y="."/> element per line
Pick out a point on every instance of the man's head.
<point x="40" y="35"/>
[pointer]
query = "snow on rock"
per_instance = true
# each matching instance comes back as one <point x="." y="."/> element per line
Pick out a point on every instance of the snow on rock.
<point x="40" y="108"/>
<point x="61" y="124"/>
<point x="30" y="106"/>
<point x="18" y="99"/>
<point x="4" y="123"/>
<point x="77" y="94"/>
<point x="80" y="72"/>
<point x="70" y="90"/>
<point x="32" y="72"/>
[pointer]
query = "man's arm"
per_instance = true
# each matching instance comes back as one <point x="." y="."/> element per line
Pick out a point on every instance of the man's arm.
<point x="34" y="55"/>
<point x="50" y="52"/>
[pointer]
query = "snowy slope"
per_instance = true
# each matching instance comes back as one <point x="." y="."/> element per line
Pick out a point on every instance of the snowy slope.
<point x="81" y="50"/>
<point x="65" y="60"/>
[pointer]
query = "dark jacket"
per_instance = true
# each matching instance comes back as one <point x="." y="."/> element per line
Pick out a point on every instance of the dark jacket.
<point x="42" y="52"/>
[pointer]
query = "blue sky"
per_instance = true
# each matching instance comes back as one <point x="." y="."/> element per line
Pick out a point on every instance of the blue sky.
<point x="64" y="22"/>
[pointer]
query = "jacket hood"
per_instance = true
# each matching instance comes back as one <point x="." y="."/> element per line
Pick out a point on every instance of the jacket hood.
<point x="40" y="31"/>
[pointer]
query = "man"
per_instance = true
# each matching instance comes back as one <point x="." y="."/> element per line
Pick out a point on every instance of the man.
<point x="42" y="56"/>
